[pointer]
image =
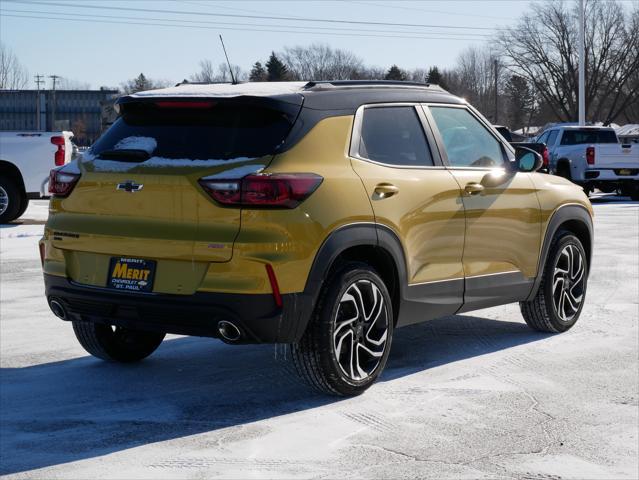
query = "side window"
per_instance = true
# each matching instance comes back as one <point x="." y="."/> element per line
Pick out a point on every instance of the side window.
<point x="551" y="138"/>
<point x="394" y="135"/>
<point x="467" y="142"/>
<point x="543" y="138"/>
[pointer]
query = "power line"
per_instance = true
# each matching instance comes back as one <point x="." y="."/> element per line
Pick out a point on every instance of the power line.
<point x="260" y="17"/>
<point x="217" y="23"/>
<point x="202" y="27"/>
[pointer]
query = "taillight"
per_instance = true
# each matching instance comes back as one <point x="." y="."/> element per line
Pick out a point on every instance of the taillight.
<point x="187" y="104"/>
<point x="278" y="190"/>
<point x="590" y="155"/>
<point x="59" y="154"/>
<point x="544" y="157"/>
<point x="61" y="183"/>
<point x="42" y="250"/>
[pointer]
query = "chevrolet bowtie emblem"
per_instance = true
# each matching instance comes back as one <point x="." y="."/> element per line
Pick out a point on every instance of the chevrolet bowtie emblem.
<point x="129" y="186"/>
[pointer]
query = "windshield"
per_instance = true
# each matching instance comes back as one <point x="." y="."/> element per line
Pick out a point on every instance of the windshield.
<point x="578" y="137"/>
<point x="221" y="132"/>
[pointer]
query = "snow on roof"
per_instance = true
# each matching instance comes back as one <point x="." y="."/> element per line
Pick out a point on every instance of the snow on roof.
<point x="630" y="130"/>
<point x="256" y="89"/>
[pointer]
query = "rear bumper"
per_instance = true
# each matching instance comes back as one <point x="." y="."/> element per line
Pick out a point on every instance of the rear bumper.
<point x="256" y="315"/>
<point x="611" y="175"/>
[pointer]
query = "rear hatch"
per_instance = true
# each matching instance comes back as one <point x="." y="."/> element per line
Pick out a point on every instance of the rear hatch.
<point x="139" y="196"/>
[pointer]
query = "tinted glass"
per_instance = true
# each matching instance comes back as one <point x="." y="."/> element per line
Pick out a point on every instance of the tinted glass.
<point x="543" y="138"/>
<point x="222" y="132"/>
<point x="552" y="137"/>
<point x="578" y="137"/>
<point x="394" y="135"/>
<point x="468" y="143"/>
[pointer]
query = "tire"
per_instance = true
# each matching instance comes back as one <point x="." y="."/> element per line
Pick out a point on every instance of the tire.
<point x="557" y="309"/>
<point x="116" y="344"/>
<point x="23" y="206"/>
<point x="11" y="199"/>
<point x="563" y="170"/>
<point x="323" y="356"/>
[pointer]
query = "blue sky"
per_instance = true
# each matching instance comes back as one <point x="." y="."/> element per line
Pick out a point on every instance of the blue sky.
<point x="109" y="53"/>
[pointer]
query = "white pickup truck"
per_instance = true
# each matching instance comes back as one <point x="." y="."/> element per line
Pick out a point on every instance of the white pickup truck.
<point x="26" y="158"/>
<point x="593" y="158"/>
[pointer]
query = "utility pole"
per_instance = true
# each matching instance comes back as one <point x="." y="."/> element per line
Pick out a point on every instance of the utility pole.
<point x="38" y="80"/>
<point x="496" y="93"/>
<point x="53" y="107"/>
<point x="582" y="65"/>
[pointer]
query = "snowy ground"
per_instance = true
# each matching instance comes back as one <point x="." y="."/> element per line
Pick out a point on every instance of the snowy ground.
<point x="476" y="395"/>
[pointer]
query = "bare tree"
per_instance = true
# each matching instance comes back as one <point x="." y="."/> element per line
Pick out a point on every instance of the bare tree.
<point x="543" y="49"/>
<point x="321" y="62"/>
<point x="13" y="75"/>
<point x="209" y="74"/>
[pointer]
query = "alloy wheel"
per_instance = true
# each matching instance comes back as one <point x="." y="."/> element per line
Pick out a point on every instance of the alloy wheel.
<point x="4" y="200"/>
<point x="568" y="282"/>
<point x="360" y="330"/>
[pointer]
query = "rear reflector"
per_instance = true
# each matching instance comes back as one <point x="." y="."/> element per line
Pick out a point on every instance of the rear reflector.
<point x="59" y="155"/>
<point x="274" y="286"/>
<point x="61" y="183"/>
<point x="279" y="190"/>
<point x="590" y="155"/>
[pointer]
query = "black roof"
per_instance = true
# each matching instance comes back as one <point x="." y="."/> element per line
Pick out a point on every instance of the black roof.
<point x="350" y="94"/>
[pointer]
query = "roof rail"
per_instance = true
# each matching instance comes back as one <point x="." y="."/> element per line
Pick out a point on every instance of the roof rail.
<point x="327" y="84"/>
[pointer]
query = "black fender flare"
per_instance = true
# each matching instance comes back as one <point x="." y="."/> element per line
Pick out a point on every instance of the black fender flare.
<point x="337" y="242"/>
<point x="565" y="213"/>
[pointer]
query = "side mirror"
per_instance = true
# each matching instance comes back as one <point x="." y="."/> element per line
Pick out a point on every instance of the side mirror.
<point x="527" y="160"/>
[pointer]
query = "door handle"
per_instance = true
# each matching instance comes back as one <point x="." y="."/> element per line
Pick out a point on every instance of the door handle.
<point x="385" y="190"/>
<point x="473" y="187"/>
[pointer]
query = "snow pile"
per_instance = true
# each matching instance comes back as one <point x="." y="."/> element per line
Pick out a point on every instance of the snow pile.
<point x="255" y="89"/>
<point x="147" y="144"/>
<point x="117" y="166"/>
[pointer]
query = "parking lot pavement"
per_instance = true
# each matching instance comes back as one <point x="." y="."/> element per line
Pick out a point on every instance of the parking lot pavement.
<point x="477" y="395"/>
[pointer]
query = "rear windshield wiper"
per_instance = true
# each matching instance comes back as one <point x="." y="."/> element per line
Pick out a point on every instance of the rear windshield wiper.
<point x="125" y="155"/>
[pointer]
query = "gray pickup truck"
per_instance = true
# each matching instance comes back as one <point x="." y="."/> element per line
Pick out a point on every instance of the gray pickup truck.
<point x="593" y="158"/>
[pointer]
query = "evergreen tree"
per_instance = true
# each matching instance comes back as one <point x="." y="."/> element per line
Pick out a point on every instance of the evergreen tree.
<point x="276" y="70"/>
<point x="141" y="83"/>
<point x="395" y="73"/>
<point x="435" y="77"/>
<point x="258" y="74"/>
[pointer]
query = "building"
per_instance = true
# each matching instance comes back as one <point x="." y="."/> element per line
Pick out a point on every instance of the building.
<point x="80" y="111"/>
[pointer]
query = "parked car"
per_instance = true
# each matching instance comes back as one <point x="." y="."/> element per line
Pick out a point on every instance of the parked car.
<point x="593" y="158"/>
<point x="320" y="215"/>
<point x="25" y="161"/>
<point x="520" y="141"/>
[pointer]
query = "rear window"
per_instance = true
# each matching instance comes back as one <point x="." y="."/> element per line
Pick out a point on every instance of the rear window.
<point x="578" y="137"/>
<point x="216" y="132"/>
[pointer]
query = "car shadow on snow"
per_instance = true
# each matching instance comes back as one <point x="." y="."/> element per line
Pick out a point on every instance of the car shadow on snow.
<point x="81" y="408"/>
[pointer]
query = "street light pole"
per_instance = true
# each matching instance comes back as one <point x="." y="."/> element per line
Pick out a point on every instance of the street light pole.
<point x="582" y="65"/>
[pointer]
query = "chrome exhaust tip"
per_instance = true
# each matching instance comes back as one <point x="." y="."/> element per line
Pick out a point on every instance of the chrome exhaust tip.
<point x="57" y="309"/>
<point x="228" y="331"/>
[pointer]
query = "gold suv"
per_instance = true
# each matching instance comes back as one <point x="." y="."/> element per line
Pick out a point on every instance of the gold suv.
<point x="321" y="215"/>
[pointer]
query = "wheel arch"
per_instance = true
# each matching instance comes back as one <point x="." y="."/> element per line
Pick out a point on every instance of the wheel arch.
<point x="12" y="171"/>
<point x="574" y="218"/>
<point x="374" y="244"/>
